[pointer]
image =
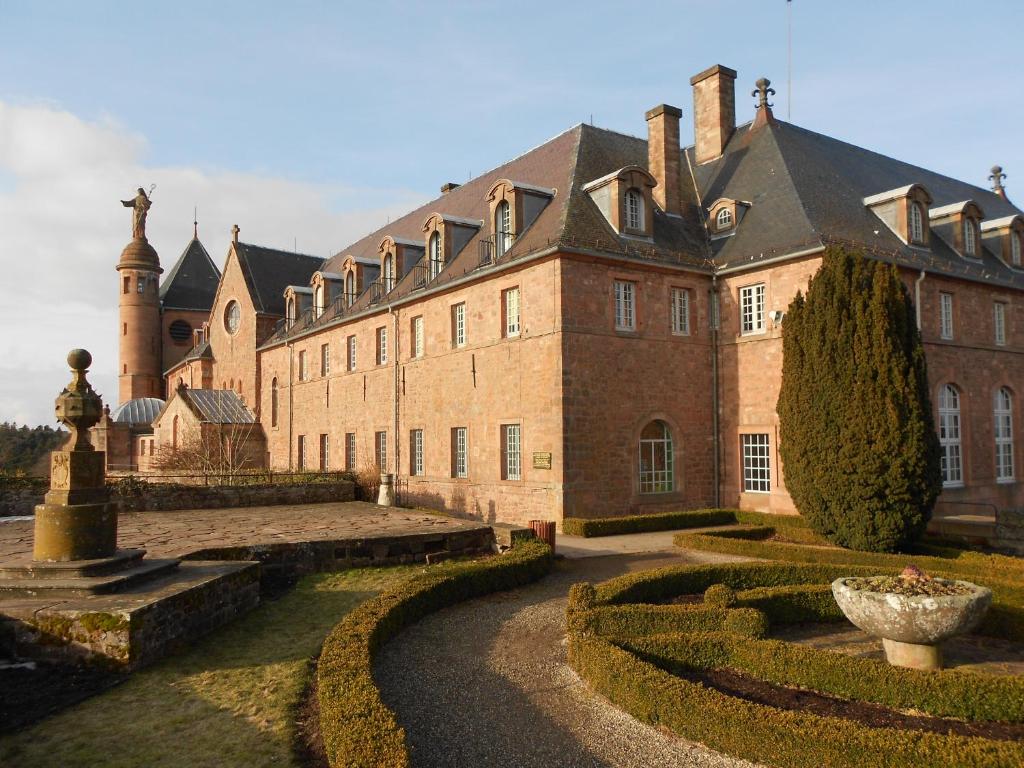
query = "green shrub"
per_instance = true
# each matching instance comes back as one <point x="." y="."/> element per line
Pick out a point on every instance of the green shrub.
<point x="357" y="728"/>
<point x="638" y="620"/>
<point x="720" y="596"/>
<point x="662" y="521"/>
<point x="796" y="604"/>
<point x="767" y="735"/>
<point x="856" y="430"/>
<point x="582" y="596"/>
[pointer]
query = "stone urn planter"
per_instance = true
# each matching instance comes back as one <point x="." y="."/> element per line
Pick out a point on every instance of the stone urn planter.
<point x="912" y="613"/>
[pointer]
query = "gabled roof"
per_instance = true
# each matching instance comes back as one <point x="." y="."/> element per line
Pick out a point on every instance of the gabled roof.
<point x="216" y="406"/>
<point x="268" y="272"/>
<point x="192" y="281"/>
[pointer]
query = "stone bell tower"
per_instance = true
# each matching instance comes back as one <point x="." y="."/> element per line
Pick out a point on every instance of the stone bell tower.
<point x="139" y="370"/>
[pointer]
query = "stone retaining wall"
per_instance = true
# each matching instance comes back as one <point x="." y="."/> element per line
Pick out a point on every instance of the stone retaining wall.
<point x="141" y="496"/>
<point x="1010" y="529"/>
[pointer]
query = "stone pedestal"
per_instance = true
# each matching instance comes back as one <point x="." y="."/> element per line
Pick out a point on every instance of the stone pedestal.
<point x="386" y="493"/>
<point x="76" y="522"/>
<point x="912" y="655"/>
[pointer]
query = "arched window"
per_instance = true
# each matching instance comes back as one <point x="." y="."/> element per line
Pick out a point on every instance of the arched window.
<point x="389" y="273"/>
<point x="350" y="288"/>
<point x="1002" y="420"/>
<point x="434" y="255"/>
<point x="634" y="209"/>
<point x="724" y="218"/>
<point x="273" y="402"/>
<point x="318" y="300"/>
<point x="232" y="317"/>
<point x="174" y="433"/>
<point x="916" y="223"/>
<point x="970" y="238"/>
<point x="1015" y="248"/>
<point x="503" y="228"/>
<point x="949" y="436"/>
<point x="290" y="310"/>
<point x="656" y="459"/>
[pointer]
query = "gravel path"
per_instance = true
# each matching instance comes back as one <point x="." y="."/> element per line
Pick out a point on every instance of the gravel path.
<point x="486" y="683"/>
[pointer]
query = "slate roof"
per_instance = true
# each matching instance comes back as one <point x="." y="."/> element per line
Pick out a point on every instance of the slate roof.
<point x="192" y="281"/>
<point x="807" y="190"/>
<point x="268" y="272"/>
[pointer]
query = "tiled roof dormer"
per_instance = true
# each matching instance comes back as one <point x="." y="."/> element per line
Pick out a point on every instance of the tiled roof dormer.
<point x="397" y="255"/>
<point x="624" y="198"/>
<point x="905" y="211"/>
<point x="959" y="225"/>
<point x="444" y="238"/>
<point x="358" y="274"/>
<point x="1005" y="238"/>
<point x="297" y="299"/>
<point x="725" y="214"/>
<point x="327" y="286"/>
<point x="513" y="207"/>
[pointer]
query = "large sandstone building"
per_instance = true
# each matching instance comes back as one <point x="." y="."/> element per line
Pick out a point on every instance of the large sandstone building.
<point x="594" y="327"/>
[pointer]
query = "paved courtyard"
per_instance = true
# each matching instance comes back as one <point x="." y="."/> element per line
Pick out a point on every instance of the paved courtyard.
<point x="178" y="533"/>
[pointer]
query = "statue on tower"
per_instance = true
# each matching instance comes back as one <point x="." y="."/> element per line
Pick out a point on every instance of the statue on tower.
<point x="140" y="205"/>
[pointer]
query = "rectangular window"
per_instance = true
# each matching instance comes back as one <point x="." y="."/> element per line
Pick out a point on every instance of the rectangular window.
<point x="350" y="451"/>
<point x="715" y="313"/>
<point x="325" y="453"/>
<point x="757" y="471"/>
<point x="302" y="365"/>
<point x="381" y="450"/>
<point x="752" y="309"/>
<point x="300" y="458"/>
<point x="142" y="285"/>
<point x="417" y="337"/>
<point x="351" y="353"/>
<point x="946" y="315"/>
<point x="416" y="452"/>
<point x="127" y="284"/>
<point x="325" y="359"/>
<point x="999" y="317"/>
<point x="949" y="442"/>
<point x="680" y="312"/>
<point x="510" y="299"/>
<point x="459" y="325"/>
<point x="459" y="451"/>
<point x="1004" y="436"/>
<point x="625" y="306"/>
<point x="511" y="465"/>
<point x="382" y="346"/>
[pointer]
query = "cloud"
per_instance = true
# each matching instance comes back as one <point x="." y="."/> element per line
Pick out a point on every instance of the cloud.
<point x="62" y="229"/>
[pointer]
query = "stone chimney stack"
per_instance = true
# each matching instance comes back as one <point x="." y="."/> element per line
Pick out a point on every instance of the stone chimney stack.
<point x="663" y="156"/>
<point x="714" y="111"/>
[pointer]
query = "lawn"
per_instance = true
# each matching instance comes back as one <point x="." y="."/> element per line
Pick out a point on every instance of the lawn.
<point x="228" y="701"/>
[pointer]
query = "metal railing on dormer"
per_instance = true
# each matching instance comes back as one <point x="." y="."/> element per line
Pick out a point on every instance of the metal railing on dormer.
<point x="419" y="276"/>
<point x="493" y="247"/>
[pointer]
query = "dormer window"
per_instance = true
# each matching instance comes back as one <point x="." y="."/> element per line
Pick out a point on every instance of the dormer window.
<point x="1015" y="248"/>
<point x="318" y="300"/>
<point x="436" y="260"/>
<point x="389" y="273"/>
<point x="724" y="219"/>
<point x="350" y="288"/>
<point x="624" y="198"/>
<point x="290" y="310"/>
<point x="634" y="209"/>
<point x="957" y="225"/>
<point x="502" y="228"/>
<point x="916" y="223"/>
<point x="970" y="237"/>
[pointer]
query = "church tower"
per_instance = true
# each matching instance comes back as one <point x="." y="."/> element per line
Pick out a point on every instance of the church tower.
<point x="139" y="369"/>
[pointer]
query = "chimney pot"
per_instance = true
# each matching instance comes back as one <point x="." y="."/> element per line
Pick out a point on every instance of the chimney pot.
<point x="714" y="111"/>
<point x="446" y="188"/>
<point x="663" y="156"/>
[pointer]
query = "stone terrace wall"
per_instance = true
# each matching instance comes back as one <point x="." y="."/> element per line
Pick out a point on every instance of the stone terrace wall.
<point x="21" y="496"/>
<point x="1010" y="530"/>
<point x="157" y="498"/>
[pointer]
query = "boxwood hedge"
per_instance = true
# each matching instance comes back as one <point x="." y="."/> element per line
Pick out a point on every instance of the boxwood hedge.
<point x="795" y="527"/>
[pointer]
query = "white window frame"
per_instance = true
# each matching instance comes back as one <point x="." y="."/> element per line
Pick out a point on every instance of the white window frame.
<point x="381" y="446"/>
<point x="634" y="205"/>
<point x="435" y="257"/>
<point x="350" y="451"/>
<point x="723" y="219"/>
<point x="416" y="452"/>
<point x="625" y="305"/>
<point x="653" y="480"/>
<point x="1015" y="248"/>
<point x="460" y="452"/>
<point x="325" y="359"/>
<point x="352" y="353"/>
<point x="325" y="452"/>
<point x="999" y="322"/>
<point x="417" y="336"/>
<point x="681" y="311"/>
<point x="318" y="300"/>
<point x="950" y="437"/>
<point x="970" y="238"/>
<point x="511" y="302"/>
<point x="303" y="369"/>
<point x="389" y="273"/>
<point x="946" y="315"/>
<point x="459" y="324"/>
<point x="503" y="228"/>
<point x="511" y="451"/>
<point x="757" y="462"/>
<point x="916" y="223"/>
<point x="752" y="301"/>
<point x="382" y="345"/>
<point x="1002" y="422"/>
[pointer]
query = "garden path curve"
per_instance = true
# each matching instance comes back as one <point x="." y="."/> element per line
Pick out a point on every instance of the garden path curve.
<point x="486" y="683"/>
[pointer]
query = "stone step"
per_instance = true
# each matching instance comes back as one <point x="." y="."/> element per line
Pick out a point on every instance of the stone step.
<point x="85" y="586"/>
<point x="30" y="569"/>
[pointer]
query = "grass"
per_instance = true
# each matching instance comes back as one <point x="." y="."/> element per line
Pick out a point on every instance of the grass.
<point x="227" y="701"/>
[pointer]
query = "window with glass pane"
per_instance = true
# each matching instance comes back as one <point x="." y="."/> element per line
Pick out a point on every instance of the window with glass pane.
<point x="511" y="302"/>
<point x="946" y="315"/>
<point x="417" y="337"/>
<point x="300" y="453"/>
<point x="681" y="311"/>
<point x="350" y="451"/>
<point x="752" y="308"/>
<point x="459" y="449"/>
<point x="1015" y="249"/>
<point x="459" y="325"/>
<point x="350" y="288"/>
<point x="382" y="346"/>
<point x="1003" y="422"/>
<point x="625" y="309"/>
<point x="434" y="255"/>
<point x="916" y="223"/>
<point x="999" y="319"/>
<point x="724" y="219"/>
<point x="970" y="238"/>
<point x="416" y="452"/>
<point x="503" y="227"/>
<point x="656" y="459"/>
<point x="949" y="436"/>
<point x="381" y="450"/>
<point x="325" y="453"/>
<point x="634" y="209"/>
<point x="511" y="465"/>
<point x="351" y="353"/>
<point x="318" y="300"/>
<point x="325" y="359"/>
<point x="757" y="469"/>
<point x="302" y="365"/>
<point x="273" y="402"/>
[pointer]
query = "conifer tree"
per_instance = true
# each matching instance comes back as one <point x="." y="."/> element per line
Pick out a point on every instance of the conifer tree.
<point x="857" y="437"/>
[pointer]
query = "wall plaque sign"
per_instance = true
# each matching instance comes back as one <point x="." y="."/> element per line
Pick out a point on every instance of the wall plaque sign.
<point x="542" y="459"/>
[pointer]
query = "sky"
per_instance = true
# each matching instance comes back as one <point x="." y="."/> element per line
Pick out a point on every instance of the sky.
<point x="310" y="124"/>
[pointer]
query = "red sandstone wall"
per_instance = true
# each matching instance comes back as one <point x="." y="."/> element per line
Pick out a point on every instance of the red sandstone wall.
<point x="235" y="361"/>
<point x="174" y="351"/>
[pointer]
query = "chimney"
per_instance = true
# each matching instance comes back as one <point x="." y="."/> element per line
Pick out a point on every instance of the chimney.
<point x="663" y="158"/>
<point x="714" y="111"/>
<point x="446" y="188"/>
<point x="234" y="233"/>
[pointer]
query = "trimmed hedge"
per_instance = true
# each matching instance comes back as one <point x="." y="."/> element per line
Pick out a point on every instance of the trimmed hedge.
<point x="358" y="730"/>
<point x="796" y="604"/>
<point x="765" y="734"/>
<point x="965" y="695"/>
<point x="623" y="621"/>
<point x="663" y="521"/>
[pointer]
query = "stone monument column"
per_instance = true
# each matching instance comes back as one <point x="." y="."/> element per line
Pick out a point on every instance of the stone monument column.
<point x="76" y="520"/>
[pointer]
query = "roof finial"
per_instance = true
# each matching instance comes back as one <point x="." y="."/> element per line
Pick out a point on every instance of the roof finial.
<point x="763" y="92"/>
<point x="234" y="233"/>
<point x="996" y="178"/>
<point x="195" y="222"/>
